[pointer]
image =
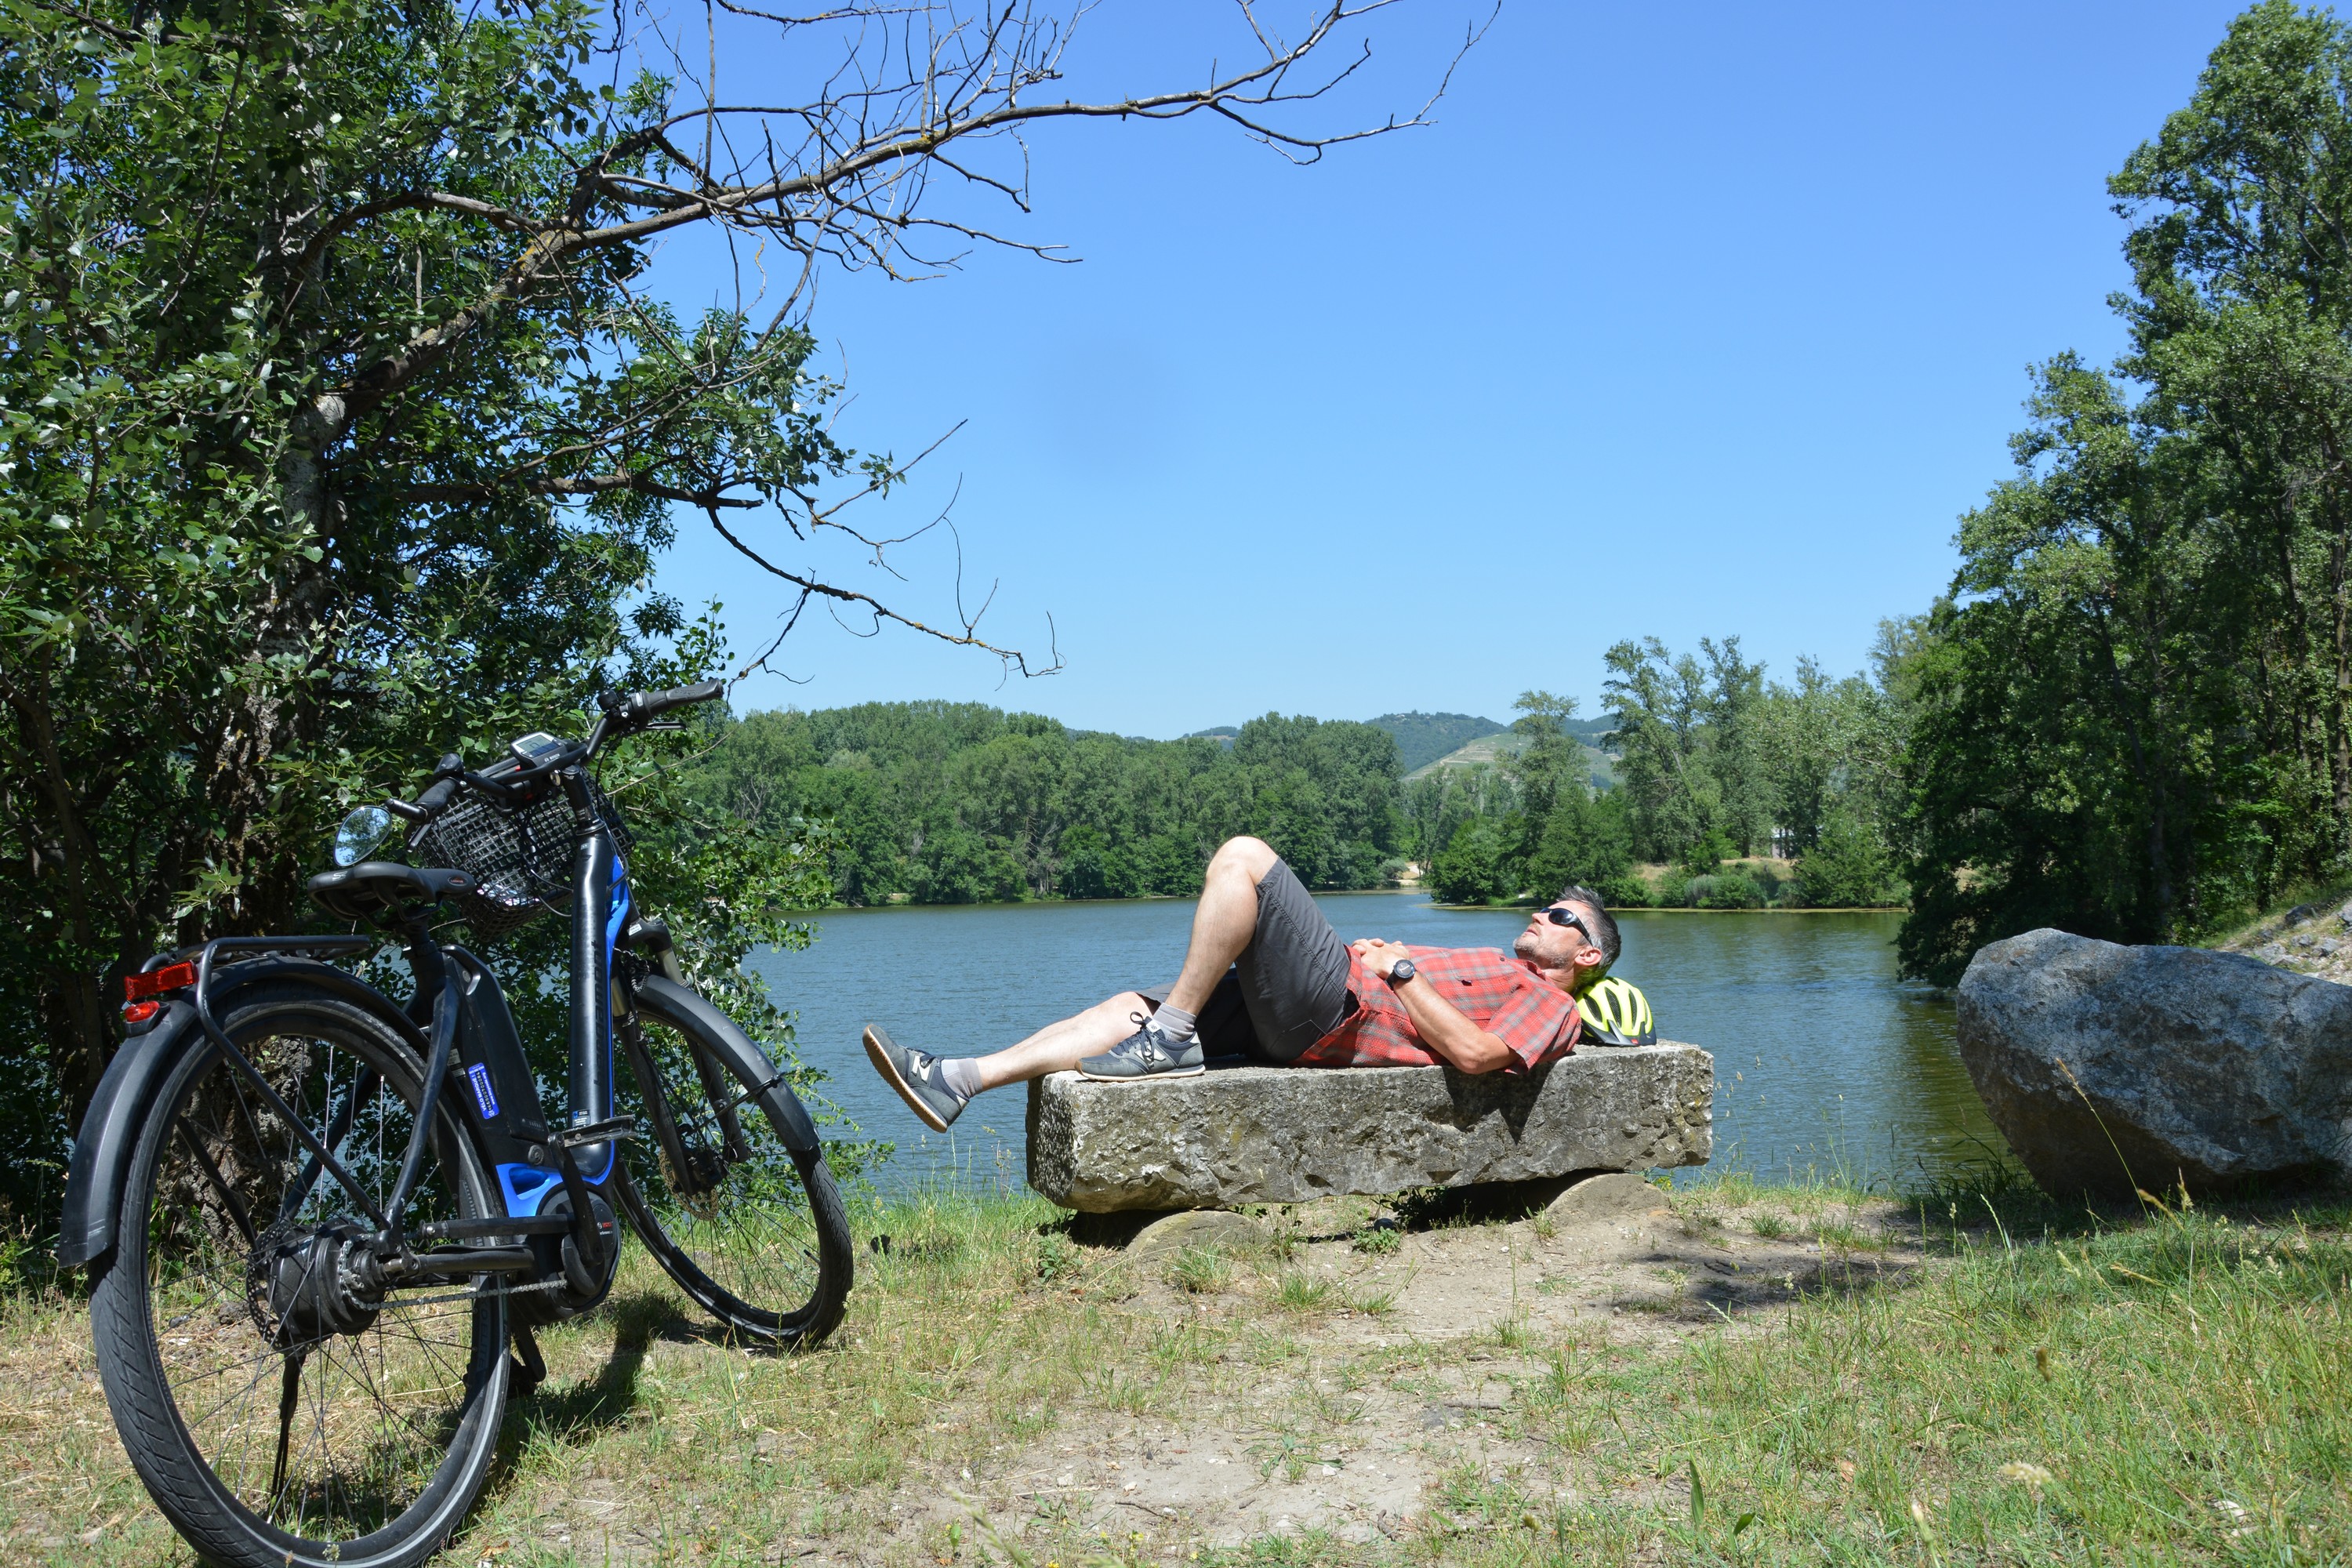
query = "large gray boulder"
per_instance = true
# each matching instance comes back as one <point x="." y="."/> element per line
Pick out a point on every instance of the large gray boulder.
<point x="1254" y="1134"/>
<point x="2196" y="1066"/>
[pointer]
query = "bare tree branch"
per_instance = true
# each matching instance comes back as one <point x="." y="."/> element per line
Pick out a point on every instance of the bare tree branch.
<point x="851" y="176"/>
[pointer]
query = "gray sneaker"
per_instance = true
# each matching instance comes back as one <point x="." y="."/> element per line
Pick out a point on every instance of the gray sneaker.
<point x="1146" y="1053"/>
<point x="916" y="1075"/>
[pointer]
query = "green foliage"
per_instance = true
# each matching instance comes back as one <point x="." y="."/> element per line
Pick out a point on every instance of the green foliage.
<point x="315" y="460"/>
<point x="1716" y="764"/>
<point x="1848" y="867"/>
<point x="1726" y="891"/>
<point x="1685" y="754"/>
<point x="957" y="802"/>
<point x="2132" y="716"/>
<point x="1475" y="867"/>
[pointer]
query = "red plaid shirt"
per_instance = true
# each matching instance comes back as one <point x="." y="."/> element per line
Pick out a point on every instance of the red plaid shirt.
<point x="1507" y="998"/>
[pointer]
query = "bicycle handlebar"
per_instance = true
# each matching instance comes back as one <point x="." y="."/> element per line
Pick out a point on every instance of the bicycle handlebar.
<point x="621" y="715"/>
<point x="638" y="706"/>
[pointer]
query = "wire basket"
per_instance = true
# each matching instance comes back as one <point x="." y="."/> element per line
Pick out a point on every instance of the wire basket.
<point x="520" y="857"/>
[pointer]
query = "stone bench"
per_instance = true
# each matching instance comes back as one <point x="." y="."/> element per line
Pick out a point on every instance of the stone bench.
<point x="1285" y="1135"/>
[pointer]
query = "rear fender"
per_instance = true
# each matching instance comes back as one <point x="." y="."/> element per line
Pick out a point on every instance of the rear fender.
<point x="791" y="1117"/>
<point x="110" y="1130"/>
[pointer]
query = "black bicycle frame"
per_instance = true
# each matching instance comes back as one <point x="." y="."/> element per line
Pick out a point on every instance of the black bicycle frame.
<point x="531" y="1159"/>
<point x="471" y="1036"/>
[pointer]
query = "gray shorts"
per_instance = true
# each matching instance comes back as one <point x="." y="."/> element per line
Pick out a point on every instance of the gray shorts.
<point x="1289" y="987"/>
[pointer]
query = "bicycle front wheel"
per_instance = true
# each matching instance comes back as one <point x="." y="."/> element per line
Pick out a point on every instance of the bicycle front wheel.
<point x="753" y="1232"/>
<point x="281" y="1407"/>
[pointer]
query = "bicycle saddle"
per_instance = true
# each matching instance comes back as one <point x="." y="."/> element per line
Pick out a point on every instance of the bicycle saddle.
<point x="376" y="887"/>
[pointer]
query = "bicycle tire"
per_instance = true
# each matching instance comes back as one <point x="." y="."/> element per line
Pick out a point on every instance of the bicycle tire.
<point x="767" y="1250"/>
<point x="177" y="1314"/>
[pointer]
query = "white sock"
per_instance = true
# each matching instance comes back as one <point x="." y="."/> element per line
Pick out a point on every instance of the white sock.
<point x="961" y="1075"/>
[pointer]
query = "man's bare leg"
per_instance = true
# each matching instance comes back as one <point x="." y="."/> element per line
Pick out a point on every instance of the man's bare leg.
<point x="1225" y="919"/>
<point x="1222" y="925"/>
<point x="1059" y="1047"/>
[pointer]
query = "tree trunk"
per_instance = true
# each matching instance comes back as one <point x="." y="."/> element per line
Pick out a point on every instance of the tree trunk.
<point x="2340" y="741"/>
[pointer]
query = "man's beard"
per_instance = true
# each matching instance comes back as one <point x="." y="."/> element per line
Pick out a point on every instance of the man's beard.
<point x="1527" y="944"/>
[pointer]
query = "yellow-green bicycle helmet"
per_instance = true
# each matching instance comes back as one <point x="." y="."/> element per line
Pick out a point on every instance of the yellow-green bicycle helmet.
<point x="1616" y="1013"/>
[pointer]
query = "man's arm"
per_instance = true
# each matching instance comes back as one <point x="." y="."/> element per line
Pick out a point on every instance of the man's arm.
<point x="1441" y="1027"/>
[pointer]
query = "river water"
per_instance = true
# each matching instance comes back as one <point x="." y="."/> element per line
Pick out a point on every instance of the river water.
<point x="1825" y="1061"/>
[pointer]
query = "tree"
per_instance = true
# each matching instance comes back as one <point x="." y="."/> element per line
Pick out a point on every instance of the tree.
<point x="1692" y="758"/>
<point x="1476" y="866"/>
<point x="2063" y="749"/>
<point x="1847" y="867"/>
<point x="2134" y="719"/>
<point x="340" y="429"/>
<point x="1566" y="835"/>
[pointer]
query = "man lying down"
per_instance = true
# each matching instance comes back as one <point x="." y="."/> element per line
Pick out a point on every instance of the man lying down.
<point x="1267" y="978"/>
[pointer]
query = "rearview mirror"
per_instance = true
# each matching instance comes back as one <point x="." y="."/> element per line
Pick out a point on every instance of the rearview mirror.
<point x="362" y="831"/>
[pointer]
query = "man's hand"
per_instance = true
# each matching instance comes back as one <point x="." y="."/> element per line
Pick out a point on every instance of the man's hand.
<point x="1378" y="953"/>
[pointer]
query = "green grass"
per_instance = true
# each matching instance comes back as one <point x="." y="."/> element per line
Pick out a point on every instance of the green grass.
<point x="1297" y="1292"/>
<point x="1204" y="1271"/>
<point x="2048" y="1387"/>
<point x="2168" y="1390"/>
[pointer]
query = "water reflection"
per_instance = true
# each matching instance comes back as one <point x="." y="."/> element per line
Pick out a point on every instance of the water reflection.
<point x="1825" y="1061"/>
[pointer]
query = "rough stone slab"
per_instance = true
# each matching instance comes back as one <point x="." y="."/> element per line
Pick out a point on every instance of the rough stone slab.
<point x="1265" y="1135"/>
<point x="2194" y="1065"/>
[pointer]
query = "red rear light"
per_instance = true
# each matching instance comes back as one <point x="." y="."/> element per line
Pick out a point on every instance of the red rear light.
<point x="139" y="1012"/>
<point x="155" y="982"/>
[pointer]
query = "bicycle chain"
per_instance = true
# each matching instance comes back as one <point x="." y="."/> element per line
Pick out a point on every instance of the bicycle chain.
<point x="478" y="1295"/>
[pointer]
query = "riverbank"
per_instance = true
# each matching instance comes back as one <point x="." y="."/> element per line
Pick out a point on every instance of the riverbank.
<point x="1770" y="1375"/>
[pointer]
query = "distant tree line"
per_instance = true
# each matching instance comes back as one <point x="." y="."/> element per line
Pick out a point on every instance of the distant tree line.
<point x="1713" y="764"/>
<point x="961" y="802"/>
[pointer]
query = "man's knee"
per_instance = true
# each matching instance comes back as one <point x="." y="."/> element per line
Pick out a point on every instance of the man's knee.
<point x="1255" y="857"/>
<point x="1121" y="1007"/>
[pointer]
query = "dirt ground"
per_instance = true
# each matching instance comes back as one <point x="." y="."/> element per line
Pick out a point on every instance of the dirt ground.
<point x="1383" y="1408"/>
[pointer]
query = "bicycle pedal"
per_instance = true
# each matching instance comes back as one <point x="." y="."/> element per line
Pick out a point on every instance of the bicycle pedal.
<point x="611" y="1130"/>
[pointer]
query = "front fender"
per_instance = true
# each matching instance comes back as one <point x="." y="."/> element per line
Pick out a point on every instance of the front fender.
<point x="110" y="1129"/>
<point x="665" y="996"/>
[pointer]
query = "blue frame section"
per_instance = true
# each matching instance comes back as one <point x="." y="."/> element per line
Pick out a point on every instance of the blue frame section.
<point x="526" y="1187"/>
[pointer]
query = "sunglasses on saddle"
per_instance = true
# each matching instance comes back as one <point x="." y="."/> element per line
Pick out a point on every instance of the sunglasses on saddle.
<point x="1560" y="917"/>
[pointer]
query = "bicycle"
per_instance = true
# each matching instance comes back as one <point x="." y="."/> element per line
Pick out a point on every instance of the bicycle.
<point x="323" y="1226"/>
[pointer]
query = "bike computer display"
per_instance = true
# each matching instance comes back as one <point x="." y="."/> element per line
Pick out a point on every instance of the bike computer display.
<point x="536" y="747"/>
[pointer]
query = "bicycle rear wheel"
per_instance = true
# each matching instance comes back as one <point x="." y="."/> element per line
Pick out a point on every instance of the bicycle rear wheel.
<point x="277" y="1411"/>
<point x="753" y="1232"/>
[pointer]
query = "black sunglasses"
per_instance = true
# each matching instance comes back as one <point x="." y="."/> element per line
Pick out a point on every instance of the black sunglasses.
<point x="1560" y="917"/>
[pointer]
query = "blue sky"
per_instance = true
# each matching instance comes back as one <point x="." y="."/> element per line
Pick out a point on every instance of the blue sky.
<point x="1682" y="321"/>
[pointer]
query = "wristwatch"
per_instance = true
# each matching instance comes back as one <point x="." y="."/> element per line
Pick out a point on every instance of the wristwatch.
<point x="1402" y="971"/>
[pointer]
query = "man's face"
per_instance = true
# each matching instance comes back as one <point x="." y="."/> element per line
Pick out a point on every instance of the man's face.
<point x="1550" y="945"/>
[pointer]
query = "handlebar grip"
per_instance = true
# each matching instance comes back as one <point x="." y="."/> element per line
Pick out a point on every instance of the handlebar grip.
<point x="426" y="806"/>
<point x="651" y="704"/>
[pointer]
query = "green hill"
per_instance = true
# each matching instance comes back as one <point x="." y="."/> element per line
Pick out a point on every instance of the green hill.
<point x="1491" y="751"/>
<point x="1422" y="738"/>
